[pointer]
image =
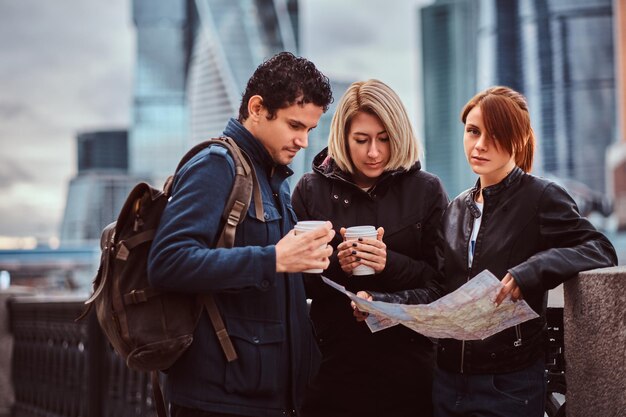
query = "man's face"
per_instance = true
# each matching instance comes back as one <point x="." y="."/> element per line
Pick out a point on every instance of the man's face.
<point x="287" y="133"/>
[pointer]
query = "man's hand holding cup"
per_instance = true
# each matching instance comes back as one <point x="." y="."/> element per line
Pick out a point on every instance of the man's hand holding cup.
<point x="305" y="248"/>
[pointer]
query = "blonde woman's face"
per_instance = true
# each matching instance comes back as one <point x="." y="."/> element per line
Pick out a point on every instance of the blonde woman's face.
<point x="368" y="144"/>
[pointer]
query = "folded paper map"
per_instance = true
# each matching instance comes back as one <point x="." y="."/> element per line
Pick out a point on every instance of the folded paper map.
<point x="469" y="313"/>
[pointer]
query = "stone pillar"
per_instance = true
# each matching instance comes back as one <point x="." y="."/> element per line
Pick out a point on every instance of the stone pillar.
<point x="595" y="343"/>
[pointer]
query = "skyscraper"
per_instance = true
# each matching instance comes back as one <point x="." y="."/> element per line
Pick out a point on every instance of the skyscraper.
<point x="98" y="191"/>
<point x="158" y="135"/>
<point x="450" y="65"/>
<point x="569" y="80"/>
<point x="194" y="58"/>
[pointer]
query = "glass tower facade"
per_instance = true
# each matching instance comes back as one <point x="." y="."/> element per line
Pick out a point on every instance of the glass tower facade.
<point x="96" y="194"/>
<point x="158" y="137"/>
<point x="450" y="77"/>
<point x="570" y="85"/>
<point x="230" y="38"/>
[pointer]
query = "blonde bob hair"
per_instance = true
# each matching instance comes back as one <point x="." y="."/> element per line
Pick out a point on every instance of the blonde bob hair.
<point x="376" y="98"/>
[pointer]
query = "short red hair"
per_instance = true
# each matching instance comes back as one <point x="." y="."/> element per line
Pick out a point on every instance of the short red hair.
<point x="507" y="120"/>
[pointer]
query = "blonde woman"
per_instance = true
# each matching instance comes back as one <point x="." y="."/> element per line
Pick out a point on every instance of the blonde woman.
<point x="370" y="174"/>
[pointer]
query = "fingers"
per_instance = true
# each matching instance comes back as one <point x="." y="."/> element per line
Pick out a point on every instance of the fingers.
<point x="322" y="234"/>
<point x="504" y="291"/>
<point x="509" y="287"/>
<point x="365" y="295"/>
<point x="358" y="314"/>
<point x="380" y="232"/>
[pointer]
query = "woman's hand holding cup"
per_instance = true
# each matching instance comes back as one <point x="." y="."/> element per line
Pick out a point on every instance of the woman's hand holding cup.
<point x="363" y="251"/>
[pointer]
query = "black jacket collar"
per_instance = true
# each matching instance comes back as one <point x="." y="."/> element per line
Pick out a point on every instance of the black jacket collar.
<point x="326" y="166"/>
<point x="492" y="190"/>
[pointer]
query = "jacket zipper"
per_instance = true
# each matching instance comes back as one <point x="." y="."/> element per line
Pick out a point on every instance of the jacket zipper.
<point x="518" y="332"/>
<point x="469" y="274"/>
<point x="463" y="341"/>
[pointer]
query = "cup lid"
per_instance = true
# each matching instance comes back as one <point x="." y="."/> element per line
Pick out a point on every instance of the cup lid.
<point x="309" y="224"/>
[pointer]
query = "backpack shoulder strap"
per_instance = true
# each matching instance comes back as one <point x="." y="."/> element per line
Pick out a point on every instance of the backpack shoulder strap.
<point x="245" y="187"/>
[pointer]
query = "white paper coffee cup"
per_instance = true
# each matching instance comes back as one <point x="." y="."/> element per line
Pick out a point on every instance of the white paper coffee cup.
<point x="306" y="226"/>
<point x="355" y="232"/>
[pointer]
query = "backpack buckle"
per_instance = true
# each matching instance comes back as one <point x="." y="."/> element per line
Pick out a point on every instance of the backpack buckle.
<point x="122" y="253"/>
<point x="135" y="297"/>
<point x="233" y="219"/>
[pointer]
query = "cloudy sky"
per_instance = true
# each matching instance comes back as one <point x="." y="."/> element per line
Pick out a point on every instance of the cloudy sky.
<point x="66" y="66"/>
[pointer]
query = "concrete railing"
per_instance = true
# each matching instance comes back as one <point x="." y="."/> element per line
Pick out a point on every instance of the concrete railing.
<point x="595" y="348"/>
<point x="595" y="343"/>
<point x="7" y="394"/>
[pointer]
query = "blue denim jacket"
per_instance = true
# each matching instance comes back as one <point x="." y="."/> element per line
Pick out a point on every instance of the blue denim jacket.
<point x="264" y="311"/>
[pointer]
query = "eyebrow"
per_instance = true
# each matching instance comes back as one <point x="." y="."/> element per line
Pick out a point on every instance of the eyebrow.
<point x="365" y="134"/>
<point x="300" y="124"/>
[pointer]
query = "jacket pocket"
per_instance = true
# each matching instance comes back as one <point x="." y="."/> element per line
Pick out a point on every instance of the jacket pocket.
<point x="254" y="232"/>
<point x="259" y="345"/>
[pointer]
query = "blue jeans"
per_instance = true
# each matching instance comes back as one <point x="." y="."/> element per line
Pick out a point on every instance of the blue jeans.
<point x="520" y="393"/>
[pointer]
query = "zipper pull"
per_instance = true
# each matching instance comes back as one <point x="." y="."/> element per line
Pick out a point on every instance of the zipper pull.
<point x="518" y="332"/>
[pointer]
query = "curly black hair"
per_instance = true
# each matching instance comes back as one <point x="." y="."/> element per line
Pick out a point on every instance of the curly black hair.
<point x="283" y="80"/>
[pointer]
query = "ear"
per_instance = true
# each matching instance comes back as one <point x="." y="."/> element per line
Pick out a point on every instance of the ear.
<point x="256" y="108"/>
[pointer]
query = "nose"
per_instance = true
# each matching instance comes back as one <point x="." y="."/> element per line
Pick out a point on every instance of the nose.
<point x="372" y="151"/>
<point x="481" y="143"/>
<point x="302" y="140"/>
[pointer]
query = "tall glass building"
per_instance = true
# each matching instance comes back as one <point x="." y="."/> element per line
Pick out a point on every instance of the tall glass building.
<point x="98" y="191"/>
<point x="194" y="58"/>
<point x="158" y="136"/>
<point x="450" y="76"/>
<point x="559" y="53"/>
<point x="570" y="85"/>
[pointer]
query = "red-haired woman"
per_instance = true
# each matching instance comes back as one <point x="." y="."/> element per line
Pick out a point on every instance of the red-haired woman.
<point x="524" y="229"/>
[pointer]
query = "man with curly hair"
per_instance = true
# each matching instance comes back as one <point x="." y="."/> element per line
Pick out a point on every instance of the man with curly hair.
<point x="258" y="283"/>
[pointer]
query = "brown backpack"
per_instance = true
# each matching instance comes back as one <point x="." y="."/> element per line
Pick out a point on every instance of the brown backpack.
<point x="149" y="328"/>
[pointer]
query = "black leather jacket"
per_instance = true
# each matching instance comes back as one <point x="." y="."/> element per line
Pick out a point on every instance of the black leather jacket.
<point x="530" y="228"/>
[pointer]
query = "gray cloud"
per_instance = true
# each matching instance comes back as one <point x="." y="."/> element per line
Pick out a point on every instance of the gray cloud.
<point x="63" y="70"/>
<point x="12" y="172"/>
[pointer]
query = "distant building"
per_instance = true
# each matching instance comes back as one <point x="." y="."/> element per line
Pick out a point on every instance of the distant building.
<point x="96" y="194"/>
<point x="160" y="121"/>
<point x="450" y="75"/>
<point x="569" y="80"/>
<point x="194" y="58"/>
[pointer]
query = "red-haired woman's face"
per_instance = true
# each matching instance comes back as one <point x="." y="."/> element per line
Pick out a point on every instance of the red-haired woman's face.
<point x="491" y="162"/>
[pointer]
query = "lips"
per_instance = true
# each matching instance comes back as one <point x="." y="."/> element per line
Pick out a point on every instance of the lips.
<point x="479" y="159"/>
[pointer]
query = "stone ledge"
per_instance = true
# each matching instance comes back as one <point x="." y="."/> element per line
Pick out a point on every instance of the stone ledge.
<point x="595" y="343"/>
